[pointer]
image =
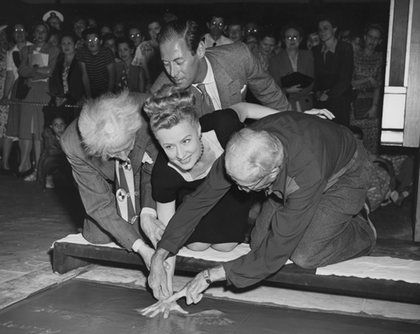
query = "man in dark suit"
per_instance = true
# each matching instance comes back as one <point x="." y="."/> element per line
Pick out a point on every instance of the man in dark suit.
<point x="224" y="73"/>
<point x="110" y="135"/>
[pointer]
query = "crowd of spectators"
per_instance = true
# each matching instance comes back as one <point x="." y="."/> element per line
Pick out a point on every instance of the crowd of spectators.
<point x="48" y="69"/>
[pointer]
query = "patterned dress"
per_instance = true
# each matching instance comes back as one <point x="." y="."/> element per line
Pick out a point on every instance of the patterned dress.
<point x="4" y="109"/>
<point x="366" y="66"/>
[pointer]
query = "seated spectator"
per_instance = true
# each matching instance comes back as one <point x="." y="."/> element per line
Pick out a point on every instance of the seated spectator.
<point x="367" y="83"/>
<point x="53" y="160"/>
<point x="333" y="63"/>
<point x="97" y="65"/>
<point x="66" y="82"/>
<point x="215" y="36"/>
<point x="293" y="59"/>
<point x="128" y="76"/>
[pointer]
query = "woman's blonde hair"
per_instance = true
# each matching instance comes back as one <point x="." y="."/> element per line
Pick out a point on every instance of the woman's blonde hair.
<point x="169" y="106"/>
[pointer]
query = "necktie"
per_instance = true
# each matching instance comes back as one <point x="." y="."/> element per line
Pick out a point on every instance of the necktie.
<point x="206" y="102"/>
<point x="125" y="193"/>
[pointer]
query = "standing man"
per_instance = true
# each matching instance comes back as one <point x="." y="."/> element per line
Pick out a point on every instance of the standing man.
<point x="110" y="152"/>
<point x="215" y="35"/>
<point x="217" y="77"/>
<point x="315" y="176"/>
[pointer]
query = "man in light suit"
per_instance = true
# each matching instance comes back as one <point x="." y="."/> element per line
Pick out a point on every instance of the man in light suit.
<point x="225" y="71"/>
<point x="112" y="128"/>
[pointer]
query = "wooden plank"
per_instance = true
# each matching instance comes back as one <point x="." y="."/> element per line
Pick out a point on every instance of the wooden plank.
<point x="290" y="276"/>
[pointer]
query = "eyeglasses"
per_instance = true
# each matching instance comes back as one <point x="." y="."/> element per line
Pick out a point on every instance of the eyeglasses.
<point x="93" y="40"/>
<point x="292" y="38"/>
<point x="19" y="30"/>
<point x="253" y="186"/>
<point x="218" y="24"/>
<point x="135" y="35"/>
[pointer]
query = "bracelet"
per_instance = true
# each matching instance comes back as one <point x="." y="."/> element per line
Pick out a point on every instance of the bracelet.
<point x="206" y="274"/>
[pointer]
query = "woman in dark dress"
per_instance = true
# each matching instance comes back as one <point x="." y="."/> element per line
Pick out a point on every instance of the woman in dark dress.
<point x="191" y="146"/>
<point x="66" y="84"/>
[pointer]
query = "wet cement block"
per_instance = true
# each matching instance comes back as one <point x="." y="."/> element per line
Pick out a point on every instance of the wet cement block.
<point x="78" y="306"/>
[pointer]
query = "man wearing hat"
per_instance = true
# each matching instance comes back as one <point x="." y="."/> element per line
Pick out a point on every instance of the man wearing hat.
<point x="54" y="19"/>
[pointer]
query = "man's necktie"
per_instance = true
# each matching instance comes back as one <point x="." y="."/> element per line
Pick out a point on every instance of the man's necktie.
<point x="207" y="103"/>
<point x="125" y="193"/>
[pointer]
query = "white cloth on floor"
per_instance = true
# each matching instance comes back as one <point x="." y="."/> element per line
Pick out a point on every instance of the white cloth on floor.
<point x="383" y="267"/>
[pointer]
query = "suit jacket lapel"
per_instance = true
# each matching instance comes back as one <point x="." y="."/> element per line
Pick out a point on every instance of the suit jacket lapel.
<point x="226" y="87"/>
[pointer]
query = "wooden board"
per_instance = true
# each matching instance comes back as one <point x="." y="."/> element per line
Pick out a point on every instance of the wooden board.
<point x="68" y="256"/>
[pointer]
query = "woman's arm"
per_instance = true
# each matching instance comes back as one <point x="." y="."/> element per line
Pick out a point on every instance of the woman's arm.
<point x="247" y="110"/>
<point x="165" y="211"/>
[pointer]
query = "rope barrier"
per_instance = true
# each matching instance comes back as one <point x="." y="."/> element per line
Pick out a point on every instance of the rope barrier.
<point x="38" y="104"/>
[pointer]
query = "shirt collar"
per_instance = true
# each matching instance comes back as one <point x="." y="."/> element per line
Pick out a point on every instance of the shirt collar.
<point x="329" y="48"/>
<point x="209" y="78"/>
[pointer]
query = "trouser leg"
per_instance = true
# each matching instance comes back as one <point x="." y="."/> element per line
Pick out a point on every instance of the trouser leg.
<point x="338" y="231"/>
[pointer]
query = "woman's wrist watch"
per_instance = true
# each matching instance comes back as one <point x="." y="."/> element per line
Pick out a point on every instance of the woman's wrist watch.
<point x="206" y="274"/>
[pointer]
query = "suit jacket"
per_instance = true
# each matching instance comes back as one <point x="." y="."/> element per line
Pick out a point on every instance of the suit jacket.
<point x="280" y="66"/>
<point x="95" y="179"/>
<point x="235" y="68"/>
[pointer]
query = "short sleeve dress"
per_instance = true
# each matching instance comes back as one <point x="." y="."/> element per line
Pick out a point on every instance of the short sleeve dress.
<point x="228" y="220"/>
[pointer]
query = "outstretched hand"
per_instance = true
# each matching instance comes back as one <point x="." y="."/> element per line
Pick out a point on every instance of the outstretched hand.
<point x="165" y="306"/>
<point x="152" y="227"/>
<point x="322" y="113"/>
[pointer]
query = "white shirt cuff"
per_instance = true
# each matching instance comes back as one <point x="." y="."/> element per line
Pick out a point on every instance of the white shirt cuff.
<point x="149" y="211"/>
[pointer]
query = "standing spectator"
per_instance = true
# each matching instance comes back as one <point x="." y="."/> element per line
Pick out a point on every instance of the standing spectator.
<point x="79" y="25"/>
<point x="128" y="76"/>
<point x="66" y="84"/>
<point x="4" y="109"/>
<point x="110" y="41"/>
<point x="97" y="65"/>
<point x="215" y="36"/>
<point x="135" y="35"/>
<point x="293" y="59"/>
<point x="105" y="30"/>
<point x="12" y="64"/>
<point x="54" y="19"/>
<point x="333" y="61"/>
<point x="148" y="55"/>
<point x="266" y="47"/>
<point x="91" y="23"/>
<point x="367" y="82"/>
<point x="234" y="31"/>
<point x="118" y="29"/>
<point x="38" y="62"/>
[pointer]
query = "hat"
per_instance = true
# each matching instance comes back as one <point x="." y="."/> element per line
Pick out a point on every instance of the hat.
<point x="2" y="27"/>
<point x="52" y="13"/>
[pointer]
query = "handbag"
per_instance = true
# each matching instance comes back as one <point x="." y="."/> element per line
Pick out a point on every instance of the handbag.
<point x="22" y="88"/>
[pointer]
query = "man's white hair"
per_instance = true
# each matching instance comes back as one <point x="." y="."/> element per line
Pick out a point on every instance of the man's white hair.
<point x="251" y="154"/>
<point x="110" y="122"/>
